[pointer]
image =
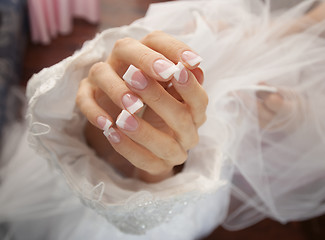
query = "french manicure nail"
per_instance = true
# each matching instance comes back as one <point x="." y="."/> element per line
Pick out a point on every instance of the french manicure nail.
<point x="191" y="58"/>
<point x="135" y="78"/>
<point x="131" y="103"/>
<point x="164" y="68"/>
<point x="112" y="135"/>
<point x="181" y="75"/>
<point x="104" y="123"/>
<point x="126" y="121"/>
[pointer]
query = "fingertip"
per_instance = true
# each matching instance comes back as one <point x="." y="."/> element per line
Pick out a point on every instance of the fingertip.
<point x="191" y="59"/>
<point x="181" y="76"/>
<point x="112" y="135"/>
<point x="132" y="103"/>
<point x="103" y="123"/>
<point x="165" y="69"/>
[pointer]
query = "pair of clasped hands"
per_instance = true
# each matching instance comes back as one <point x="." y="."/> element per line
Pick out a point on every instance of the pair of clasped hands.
<point x="157" y="78"/>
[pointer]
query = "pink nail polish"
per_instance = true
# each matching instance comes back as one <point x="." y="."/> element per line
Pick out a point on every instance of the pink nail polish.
<point x="181" y="75"/>
<point x="113" y="136"/>
<point x="164" y="68"/>
<point x="191" y="58"/>
<point x="104" y="123"/>
<point x="135" y="78"/>
<point x="131" y="103"/>
<point x="126" y="121"/>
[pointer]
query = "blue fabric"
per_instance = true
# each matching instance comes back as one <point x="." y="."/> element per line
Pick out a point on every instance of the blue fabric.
<point x="12" y="44"/>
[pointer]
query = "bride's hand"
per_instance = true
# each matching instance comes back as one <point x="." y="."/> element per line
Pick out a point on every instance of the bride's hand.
<point x="168" y="128"/>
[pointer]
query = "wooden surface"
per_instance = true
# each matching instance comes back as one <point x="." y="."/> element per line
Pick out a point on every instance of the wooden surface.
<point x="120" y="12"/>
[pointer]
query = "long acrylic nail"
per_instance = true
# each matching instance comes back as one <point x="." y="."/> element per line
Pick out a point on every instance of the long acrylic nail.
<point x="135" y="78"/>
<point x="181" y="75"/>
<point x="164" y="68"/>
<point x="126" y="121"/>
<point x="104" y="123"/>
<point x="191" y="58"/>
<point x="112" y="135"/>
<point x="131" y="103"/>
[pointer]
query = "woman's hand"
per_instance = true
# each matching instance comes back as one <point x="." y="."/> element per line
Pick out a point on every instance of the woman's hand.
<point x="160" y="139"/>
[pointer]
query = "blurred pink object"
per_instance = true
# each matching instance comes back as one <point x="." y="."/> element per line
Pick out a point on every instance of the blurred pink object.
<point x="48" y="18"/>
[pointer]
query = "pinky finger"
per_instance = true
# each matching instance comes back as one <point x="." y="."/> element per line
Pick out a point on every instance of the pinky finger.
<point x="87" y="104"/>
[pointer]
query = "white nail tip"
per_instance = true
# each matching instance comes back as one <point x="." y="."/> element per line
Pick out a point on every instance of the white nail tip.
<point x="168" y="72"/>
<point x="121" y="120"/>
<point x="177" y="74"/>
<point x="194" y="61"/>
<point x="129" y="73"/>
<point x="108" y="124"/>
<point x="135" y="106"/>
<point x="109" y="132"/>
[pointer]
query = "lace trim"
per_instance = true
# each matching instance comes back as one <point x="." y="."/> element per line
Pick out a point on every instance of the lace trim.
<point x="142" y="211"/>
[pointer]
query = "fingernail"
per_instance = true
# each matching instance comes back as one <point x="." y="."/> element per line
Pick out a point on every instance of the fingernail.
<point x="126" y="121"/>
<point x="131" y="103"/>
<point x="181" y="75"/>
<point x="104" y="123"/>
<point x="135" y="78"/>
<point x="112" y="135"/>
<point x="164" y="68"/>
<point x="191" y="58"/>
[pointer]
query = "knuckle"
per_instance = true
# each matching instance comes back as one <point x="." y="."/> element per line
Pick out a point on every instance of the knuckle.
<point x="199" y="121"/>
<point x="185" y="121"/>
<point x="80" y="93"/>
<point x="88" y="114"/>
<point x="202" y="120"/>
<point x="120" y="43"/>
<point x="190" y="141"/>
<point x="155" y="97"/>
<point x="146" y="58"/>
<point x="194" y="140"/>
<point x="96" y="69"/>
<point x="157" y="33"/>
<point x="151" y="36"/>
<point x="205" y="100"/>
<point x="172" y="152"/>
<point x="181" y="158"/>
<point x="202" y="104"/>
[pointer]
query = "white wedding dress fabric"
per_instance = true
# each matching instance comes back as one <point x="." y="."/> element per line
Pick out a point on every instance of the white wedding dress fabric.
<point x="53" y="186"/>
